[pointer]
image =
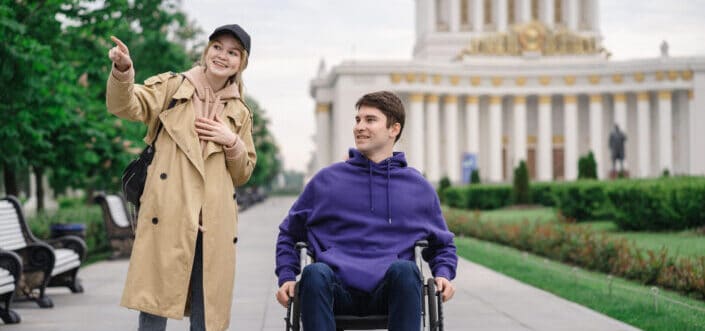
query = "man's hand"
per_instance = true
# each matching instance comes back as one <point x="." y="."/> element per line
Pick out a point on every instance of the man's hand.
<point x="120" y="55"/>
<point x="285" y="292"/>
<point x="446" y="288"/>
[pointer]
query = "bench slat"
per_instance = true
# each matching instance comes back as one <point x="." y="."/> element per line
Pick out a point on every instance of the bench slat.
<point x="117" y="211"/>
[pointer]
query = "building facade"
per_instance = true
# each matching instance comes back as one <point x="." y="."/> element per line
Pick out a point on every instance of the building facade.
<point x="500" y="81"/>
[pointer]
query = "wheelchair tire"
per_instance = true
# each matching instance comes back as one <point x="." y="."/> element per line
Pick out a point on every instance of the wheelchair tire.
<point x="432" y="305"/>
<point x="296" y="311"/>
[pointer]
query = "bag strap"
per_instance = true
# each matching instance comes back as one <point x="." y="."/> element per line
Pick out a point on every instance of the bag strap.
<point x="172" y="103"/>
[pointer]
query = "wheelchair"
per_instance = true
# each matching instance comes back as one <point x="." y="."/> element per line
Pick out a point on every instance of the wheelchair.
<point x="431" y="303"/>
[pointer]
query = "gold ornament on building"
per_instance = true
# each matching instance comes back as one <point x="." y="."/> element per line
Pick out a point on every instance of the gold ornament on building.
<point x="422" y="77"/>
<point x="533" y="37"/>
<point x="659" y="75"/>
<point x="544" y="80"/>
<point x="432" y="98"/>
<point x="472" y="99"/>
<point x="475" y="81"/>
<point x="687" y="74"/>
<point x="617" y="78"/>
<point x="496" y="81"/>
<point x="639" y="77"/>
<point x="620" y="97"/>
<point x="416" y="97"/>
<point x="454" y="80"/>
<point x="436" y="79"/>
<point x="322" y="108"/>
<point x="410" y="77"/>
<point x="672" y="75"/>
<point x="520" y="81"/>
<point x="395" y="78"/>
<point x="594" y="79"/>
<point x="569" y="80"/>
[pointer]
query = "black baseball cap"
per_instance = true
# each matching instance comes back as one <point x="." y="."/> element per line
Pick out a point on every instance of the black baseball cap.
<point x="236" y="31"/>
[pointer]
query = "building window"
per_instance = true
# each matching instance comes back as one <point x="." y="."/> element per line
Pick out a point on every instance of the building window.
<point x="584" y="23"/>
<point x="442" y="15"/>
<point x="465" y="14"/>
<point x="488" y="11"/>
<point x="511" y="12"/>
<point x="558" y="11"/>
<point x="534" y="9"/>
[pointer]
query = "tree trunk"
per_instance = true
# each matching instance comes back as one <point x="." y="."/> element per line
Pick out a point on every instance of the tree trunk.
<point x="10" y="177"/>
<point x="39" y="175"/>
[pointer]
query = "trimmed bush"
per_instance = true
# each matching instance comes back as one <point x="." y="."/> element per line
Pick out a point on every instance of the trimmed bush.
<point x="475" y="176"/>
<point x="582" y="200"/>
<point x="478" y="196"/>
<point x="442" y="186"/>
<point x="665" y="204"/>
<point x="587" y="167"/>
<point x="520" y="190"/>
<point x="542" y="193"/>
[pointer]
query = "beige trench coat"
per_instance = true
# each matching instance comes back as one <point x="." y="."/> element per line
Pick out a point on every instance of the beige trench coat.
<point x="181" y="183"/>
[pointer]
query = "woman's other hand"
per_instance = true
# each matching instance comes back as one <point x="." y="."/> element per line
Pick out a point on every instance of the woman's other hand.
<point x="216" y="131"/>
<point x="120" y="55"/>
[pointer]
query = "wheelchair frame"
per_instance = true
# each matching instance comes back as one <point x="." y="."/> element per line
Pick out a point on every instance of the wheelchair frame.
<point x="431" y="303"/>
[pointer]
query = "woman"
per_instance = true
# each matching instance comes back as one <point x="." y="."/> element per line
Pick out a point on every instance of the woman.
<point x="183" y="257"/>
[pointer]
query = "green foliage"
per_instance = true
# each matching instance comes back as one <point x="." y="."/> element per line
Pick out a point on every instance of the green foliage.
<point x="442" y="186"/>
<point x="579" y="245"/>
<point x="268" y="161"/>
<point x="475" y="176"/>
<point x="587" y="167"/>
<point x="582" y="200"/>
<point x="673" y="203"/>
<point x="521" y="194"/>
<point x="91" y="216"/>
<point x="542" y="193"/>
<point x="479" y="196"/>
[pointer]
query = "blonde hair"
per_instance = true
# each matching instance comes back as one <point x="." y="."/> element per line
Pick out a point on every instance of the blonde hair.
<point x="237" y="77"/>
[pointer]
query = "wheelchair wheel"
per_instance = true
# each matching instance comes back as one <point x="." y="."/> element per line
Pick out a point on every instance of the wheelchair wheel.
<point x="293" y="312"/>
<point x="432" y="305"/>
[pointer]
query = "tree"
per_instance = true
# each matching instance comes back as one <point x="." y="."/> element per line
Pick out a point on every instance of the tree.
<point x="521" y="194"/>
<point x="268" y="160"/>
<point x="475" y="176"/>
<point x="587" y="167"/>
<point x="442" y="186"/>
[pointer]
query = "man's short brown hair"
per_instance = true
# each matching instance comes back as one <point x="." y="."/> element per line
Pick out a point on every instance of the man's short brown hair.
<point x="389" y="104"/>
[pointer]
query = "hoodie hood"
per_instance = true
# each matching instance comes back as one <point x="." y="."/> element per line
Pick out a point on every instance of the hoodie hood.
<point x="206" y="102"/>
<point x="384" y="168"/>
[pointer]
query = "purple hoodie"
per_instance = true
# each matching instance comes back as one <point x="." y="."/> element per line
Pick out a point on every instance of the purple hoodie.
<point x="359" y="216"/>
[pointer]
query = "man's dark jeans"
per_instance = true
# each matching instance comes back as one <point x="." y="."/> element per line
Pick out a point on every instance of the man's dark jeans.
<point x="398" y="296"/>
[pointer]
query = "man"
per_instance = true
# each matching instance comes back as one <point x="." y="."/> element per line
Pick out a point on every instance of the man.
<point x="361" y="219"/>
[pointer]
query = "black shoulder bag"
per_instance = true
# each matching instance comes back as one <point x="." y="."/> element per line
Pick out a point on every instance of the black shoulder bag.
<point x="135" y="175"/>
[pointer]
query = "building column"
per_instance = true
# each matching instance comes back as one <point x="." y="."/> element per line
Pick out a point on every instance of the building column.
<point x="501" y="18"/>
<point x="544" y="143"/>
<point x="620" y="118"/>
<point x="431" y="16"/>
<point x="665" y="118"/>
<point x="472" y="124"/>
<point x="548" y="13"/>
<point x="572" y="7"/>
<point x="519" y="129"/>
<point x="495" y="139"/>
<point x="323" y="137"/>
<point x="478" y="21"/>
<point x="643" y="119"/>
<point x="523" y="8"/>
<point x="596" y="138"/>
<point x="450" y="119"/>
<point x="454" y="19"/>
<point x="433" y="159"/>
<point x="594" y="16"/>
<point x="415" y="150"/>
<point x="570" y="155"/>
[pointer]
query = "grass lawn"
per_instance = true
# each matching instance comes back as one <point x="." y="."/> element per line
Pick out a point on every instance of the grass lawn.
<point x="629" y="301"/>
<point x="678" y="244"/>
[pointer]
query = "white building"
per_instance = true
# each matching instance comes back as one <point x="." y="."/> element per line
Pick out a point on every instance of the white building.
<point x="511" y="80"/>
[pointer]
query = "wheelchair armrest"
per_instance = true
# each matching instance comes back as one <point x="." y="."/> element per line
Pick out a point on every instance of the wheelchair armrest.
<point x="421" y="243"/>
<point x="300" y="245"/>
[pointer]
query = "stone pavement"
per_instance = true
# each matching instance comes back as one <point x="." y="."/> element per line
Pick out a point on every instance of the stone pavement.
<point x="485" y="300"/>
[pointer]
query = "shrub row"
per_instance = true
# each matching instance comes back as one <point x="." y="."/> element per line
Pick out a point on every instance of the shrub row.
<point x="90" y="215"/>
<point x="591" y="250"/>
<point x="653" y="204"/>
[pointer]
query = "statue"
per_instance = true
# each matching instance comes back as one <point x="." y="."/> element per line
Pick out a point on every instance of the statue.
<point x="616" y="144"/>
<point x="664" y="49"/>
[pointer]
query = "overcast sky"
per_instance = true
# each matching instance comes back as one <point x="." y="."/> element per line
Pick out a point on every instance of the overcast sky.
<point x="289" y="38"/>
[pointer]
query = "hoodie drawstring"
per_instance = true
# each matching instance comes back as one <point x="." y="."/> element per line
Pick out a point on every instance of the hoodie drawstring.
<point x="369" y="167"/>
<point x="389" y="198"/>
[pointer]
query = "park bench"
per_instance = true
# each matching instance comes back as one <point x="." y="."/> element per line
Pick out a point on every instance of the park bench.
<point x="117" y="218"/>
<point x="53" y="263"/>
<point x="10" y="273"/>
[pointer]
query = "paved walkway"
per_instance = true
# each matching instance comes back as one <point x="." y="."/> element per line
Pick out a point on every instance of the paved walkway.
<point x="485" y="300"/>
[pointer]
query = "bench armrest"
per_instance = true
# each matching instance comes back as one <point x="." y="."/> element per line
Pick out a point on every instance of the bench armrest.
<point x="73" y="243"/>
<point x="37" y="256"/>
<point x="11" y="262"/>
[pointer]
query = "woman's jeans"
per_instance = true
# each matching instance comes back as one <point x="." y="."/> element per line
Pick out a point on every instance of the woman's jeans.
<point x="149" y="322"/>
<point x="398" y="296"/>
